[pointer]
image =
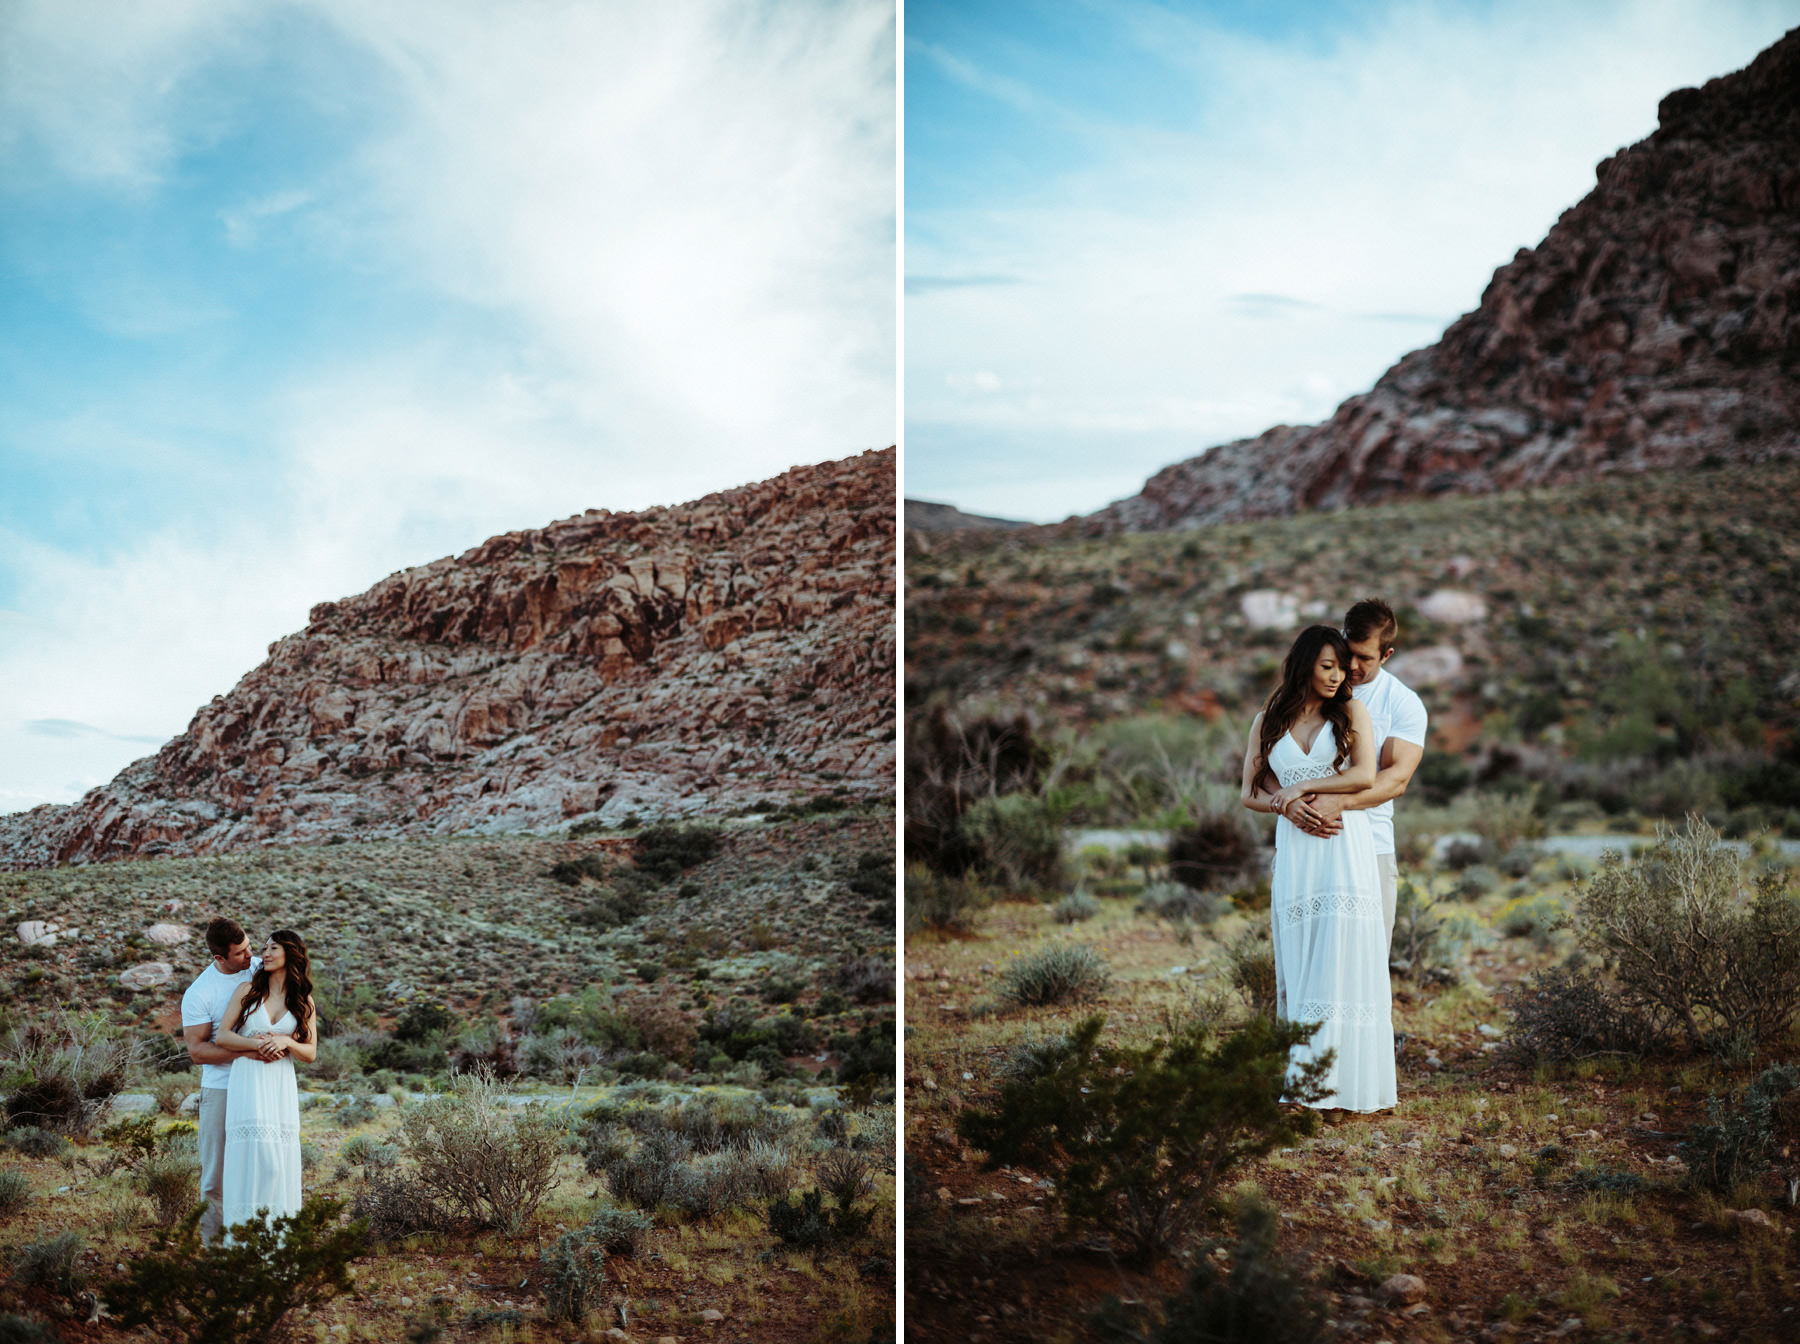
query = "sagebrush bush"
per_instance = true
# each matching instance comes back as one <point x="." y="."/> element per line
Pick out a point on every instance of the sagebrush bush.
<point x="1689" y="952"/>
<point x="941" y="901"/>
<point x="620" y="1231"/>
<point x="665" y="851"/>
<point x="1137" y="1138"/>
<point x="55" y="1265"/>
<point x="812" y="1226"/>
<point x="241" y="1290"/>
<point x="172" y="1183"/>
<point x="1569" y="1012"/>
<point x="1250" y="967"/>
<point x="396" y="1207"/>
<point x="1074" y="908"/>
<point x="30" y="1141"/>
<point x="1536" y="916"/>
<point x="1018" y="838"/>
<point x="1055" y="973"/>
<point x="1735" y="1142"/>
<point x="24" y="1330"/>
<point x="1182" y="905"/>
<point x="15" y="1192"/>
<point x="486" y="1163"/>
<point x="574" y="1268"/>
<point x="170" y="1090"/>
<point x="846" y="1175"/>
<point x="61" y="1071"/>
<point x="1211" y="852"/>
<point x="866" y="979"/>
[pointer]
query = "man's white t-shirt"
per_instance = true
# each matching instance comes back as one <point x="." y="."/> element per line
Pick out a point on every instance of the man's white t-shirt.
<point x="206" y="1001"/>
<point x="1396" y="711"/>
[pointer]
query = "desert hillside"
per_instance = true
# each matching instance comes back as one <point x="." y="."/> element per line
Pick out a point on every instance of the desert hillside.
<point x="728" y="653"/>
<point x="1656" y="326"/>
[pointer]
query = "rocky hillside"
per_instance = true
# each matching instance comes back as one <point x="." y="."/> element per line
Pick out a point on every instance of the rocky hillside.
<point x="1656" y="326"/>
<point x="680" y="661"/>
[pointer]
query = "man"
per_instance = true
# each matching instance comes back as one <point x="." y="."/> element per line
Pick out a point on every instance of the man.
<point x="1399" y="717"/>
<point x="202" y="1015"/>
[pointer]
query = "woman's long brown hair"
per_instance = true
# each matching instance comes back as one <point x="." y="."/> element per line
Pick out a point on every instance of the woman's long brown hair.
<point x="1289" y="696"/>
<point x="299" y="983"/>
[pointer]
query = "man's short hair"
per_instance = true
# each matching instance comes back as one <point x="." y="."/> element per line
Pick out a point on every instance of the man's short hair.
<point x="1371" y="616"/>
<point x="222" y="935"/>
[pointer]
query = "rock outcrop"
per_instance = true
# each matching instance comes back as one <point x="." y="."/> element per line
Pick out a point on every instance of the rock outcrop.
<point x="1656" y="326"/>
<point x="675" y="662"/>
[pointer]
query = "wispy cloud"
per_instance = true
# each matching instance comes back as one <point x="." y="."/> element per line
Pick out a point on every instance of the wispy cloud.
<point x="932" y="284"/>
<point x="68" y="728"/>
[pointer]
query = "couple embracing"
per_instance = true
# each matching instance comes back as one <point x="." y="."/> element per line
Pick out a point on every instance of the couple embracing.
<point x="1336" y="743"/>
<point x="246" y="1019"/>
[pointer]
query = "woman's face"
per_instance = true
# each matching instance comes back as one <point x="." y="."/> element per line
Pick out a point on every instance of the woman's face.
<point x="274" y="956"/>
<point x="1328" y="674"/>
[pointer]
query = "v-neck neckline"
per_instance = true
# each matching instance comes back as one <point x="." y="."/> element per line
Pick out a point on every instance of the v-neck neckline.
<point x="1308" y="751"/>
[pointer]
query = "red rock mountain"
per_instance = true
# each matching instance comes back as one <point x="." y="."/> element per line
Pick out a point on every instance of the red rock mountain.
<point x="1656" y="326"/>
<point x="673" y="662"/>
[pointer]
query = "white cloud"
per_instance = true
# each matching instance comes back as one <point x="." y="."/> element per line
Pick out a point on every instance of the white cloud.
<point x="1319" y="210"/>
<point x="664" y="235"/>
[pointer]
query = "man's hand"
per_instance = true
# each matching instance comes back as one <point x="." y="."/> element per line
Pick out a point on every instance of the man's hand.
<point x="273" y="1047"/>
<point x="1319" y="814"/>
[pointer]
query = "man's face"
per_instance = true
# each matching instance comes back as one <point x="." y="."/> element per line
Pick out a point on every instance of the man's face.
<point x="238" y="959"/>
<point x="1366" y="659"/>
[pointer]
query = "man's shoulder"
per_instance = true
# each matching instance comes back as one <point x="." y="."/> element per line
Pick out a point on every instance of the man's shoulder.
<point x="1390" y="688"/>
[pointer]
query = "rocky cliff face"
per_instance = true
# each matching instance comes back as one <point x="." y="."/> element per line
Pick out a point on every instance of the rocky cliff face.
<point x="1657" y="326"/>
<point x="674" y="662"/>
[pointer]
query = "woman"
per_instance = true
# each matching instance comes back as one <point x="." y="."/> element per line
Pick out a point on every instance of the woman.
<point x="272" y="1014"/>
<point x="1325" y="907"/>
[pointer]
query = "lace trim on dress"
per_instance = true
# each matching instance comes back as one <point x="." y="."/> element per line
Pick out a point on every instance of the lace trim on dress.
<point x="1343" y="904"/>
<point x="1357" y="1014"/>
<point x="1288" y="776"/>
<point x="262" y="1131"/>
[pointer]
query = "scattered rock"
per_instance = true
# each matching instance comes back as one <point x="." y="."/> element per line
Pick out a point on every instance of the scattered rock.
<point x="1433" y="665"/>
<point x="1449" y="606"/>
<point x="1569" y="1326"/>
<point x="1268" y="609"/>
<point x="1752" y="1218"/>
<point x="37" y="933"/>
<point x="168" y="934"/>
<point x="712" y="1315"/>
<point x="133" y="1103"/>
<point x="1401" y="1288"/>
<point x="147" y="975"/>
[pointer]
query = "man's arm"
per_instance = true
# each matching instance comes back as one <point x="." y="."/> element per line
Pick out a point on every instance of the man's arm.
<point x="1321" y="813"/>
<point x="201" y="1047"/>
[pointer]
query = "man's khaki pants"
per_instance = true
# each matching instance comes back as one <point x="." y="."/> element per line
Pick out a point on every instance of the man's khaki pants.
<point x="212" y="1162"/>
<point x="1389" y="869"/>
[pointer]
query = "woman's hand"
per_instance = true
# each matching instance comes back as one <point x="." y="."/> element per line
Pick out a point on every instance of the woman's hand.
<point x="1280" y="801"/>
<point x="274" y="1047"/>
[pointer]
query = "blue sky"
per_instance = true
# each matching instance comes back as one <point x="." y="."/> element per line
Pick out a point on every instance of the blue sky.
<point x="1137" y="230"/>
<point x="301" y="293"/>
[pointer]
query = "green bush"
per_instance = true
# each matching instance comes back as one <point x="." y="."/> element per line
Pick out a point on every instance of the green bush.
<point x="1568" y="1012"/>
<point x="30" y="1141"/>
<point x="1074" y="908"/>
<point x="484" y="1162"/>
<point x="54" y="1265"/>
<point x="425" y="1024"/>
<point x="1735" y="1142"/>
<point x="15" y="1192"/>
<point x="936" y="900"/>
<point x="570" y="872"/>
<point x="61" y="1072"/>
<point x="1689" y="954"/>
<point x="811" y="1225"/>
<point x="1137" y="1138"/>
<point x="172" y="1183"/>
<point x="1212" y="852"/>
<point x="665" y="851"/>
<point x="1250" y="966"/>
<point x="24" y="1330"/>
<point x="574" y="1268"/>
<point x="242" y="1290"/>
<point x="620" y="1231"/>
<point x="1536" y="916"/>
<point x="396" y="1207"/>
<point x="1018" y="837"/>
<point x="1264" y="1298"/>
<point x="1182" y="905"/>
<point x="1055" y="973"/>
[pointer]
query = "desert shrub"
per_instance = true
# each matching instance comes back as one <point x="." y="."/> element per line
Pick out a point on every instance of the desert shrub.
<point x="1686" y="950"/>
<point x="170" y="1091"/>
<point x="485" y="1163"/>
<point x="662" y="1026"/>
<point x="1461" y="853"/>
<point x="570" y="872"/>
<point x="1518" y="861"/>
<point x="1419" y="941"/>
<point x="15" y="1192"/>
<point x="1568" y="1012"/>
<point x="425" y="1023"/>
<point x="54" y="1265"/>
<point x="560" y="1054"/>
<point x="1440" y="777"/>
<point x="1477" y="881"/>
<point x="942" y="901"/>
<point x="1074" y="908"/>
<point x="356" y="1111"/>
<point x="30" y="1141"/>
<point x="172" y="1183"/>
<point x="865" y="1055"/>
<point x="485" y="1047"/>
<point x="396" y="1207"/>
<point x="1214" y="851"/>
<point x="1735" y="1142"/>
<point x="1018" y="840"/>
<point x="242" y="1290"/>
<point x="846" y="1175"/>
<point x="1505" y="820"/>
<point x="610" y="909"/>
<point x="1530" y="916"/>
<point x="866" y="979"/>
<point x="1138" y="1137"/>
<point x="60" y="1072"/>
<point x="397" y="1056"/>
<point x="812" y="1226"/>
<point x="1250" y="967"/>
<point x="1264" y="1297"/>
<point x="1182" y="905"/>
<point x="24" y="1330"/>
<point x="1607" y="1181"/>
<point x="131" y="1138"/>
<point x="574" y="1268"/>
<point x="1055" y="973"/>
<point x="620" y="1231"/>
<point x="873" y="878"/>
<point x="951" y="762"/>
<point x="665" y="851"/>
<point x="644" y="1176"/>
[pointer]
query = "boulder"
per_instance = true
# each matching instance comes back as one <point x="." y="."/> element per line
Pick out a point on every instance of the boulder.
<point x="37" y="933"/>
<point x="147" y="975"/>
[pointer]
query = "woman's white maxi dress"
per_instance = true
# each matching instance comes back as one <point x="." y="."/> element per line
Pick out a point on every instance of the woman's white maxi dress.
<point x="1331" y="954"/>
<point x="262" y="1130"/>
